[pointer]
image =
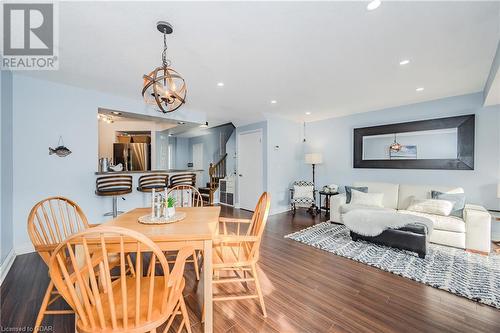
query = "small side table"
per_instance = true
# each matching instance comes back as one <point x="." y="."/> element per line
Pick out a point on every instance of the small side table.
<point x="326" y="207"/>
<point x="496" y="243"/>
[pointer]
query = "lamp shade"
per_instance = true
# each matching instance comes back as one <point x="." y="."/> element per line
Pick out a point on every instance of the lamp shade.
<point x="314" y="158"/>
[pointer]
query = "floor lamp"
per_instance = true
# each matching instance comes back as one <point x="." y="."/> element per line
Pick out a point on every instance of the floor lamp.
<point x="313" y="159"/>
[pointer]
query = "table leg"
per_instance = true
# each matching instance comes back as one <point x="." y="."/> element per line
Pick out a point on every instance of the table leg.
<point x="207" y="286"/>
<point x="327" y="207"/>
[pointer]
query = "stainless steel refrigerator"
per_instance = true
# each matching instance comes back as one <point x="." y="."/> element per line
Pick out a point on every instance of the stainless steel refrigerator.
<point x="133" y="156"/>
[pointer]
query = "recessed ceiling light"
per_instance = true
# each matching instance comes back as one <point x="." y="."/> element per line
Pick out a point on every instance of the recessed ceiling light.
<point x="220" y="84"/>
<point x="372" y="5"/>
<point x="180" y="122"/>
<point x="170" y="134"/>
<point x="420" y="89"/>
<point x="308" y="113"/>
<point x="116" y="112"/>
<point x="205" y="125"/>
<point x="274" y="101"/>
<point x="404" y="62"/>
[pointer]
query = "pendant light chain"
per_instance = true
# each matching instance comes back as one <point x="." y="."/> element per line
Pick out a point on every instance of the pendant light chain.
<point x="165" y="61"/>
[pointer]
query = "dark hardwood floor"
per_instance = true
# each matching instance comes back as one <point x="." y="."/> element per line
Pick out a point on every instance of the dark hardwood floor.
<point x="306" y="290"/>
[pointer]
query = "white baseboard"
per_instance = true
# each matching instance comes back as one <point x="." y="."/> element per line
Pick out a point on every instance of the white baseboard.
<point x="6" y="265"/>
<point x="279" y="210"/>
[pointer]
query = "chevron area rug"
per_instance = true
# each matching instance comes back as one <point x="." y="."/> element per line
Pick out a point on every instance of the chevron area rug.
<point x="474" y="276"/>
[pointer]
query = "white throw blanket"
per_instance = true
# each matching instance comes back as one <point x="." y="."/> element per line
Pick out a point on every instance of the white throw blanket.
<point x="371" y="222"/>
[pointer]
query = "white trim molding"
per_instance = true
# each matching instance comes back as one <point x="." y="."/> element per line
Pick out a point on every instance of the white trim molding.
<point x="11" y="256"/>
<point x="279" y="210"/>
<point x="6" y="265"/>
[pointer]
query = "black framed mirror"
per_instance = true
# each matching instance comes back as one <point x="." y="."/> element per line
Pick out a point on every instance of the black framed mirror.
<point x="444" y="143"/>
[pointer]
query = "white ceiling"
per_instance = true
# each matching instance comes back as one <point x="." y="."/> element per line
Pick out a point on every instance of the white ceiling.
<point x="328" y="58"/>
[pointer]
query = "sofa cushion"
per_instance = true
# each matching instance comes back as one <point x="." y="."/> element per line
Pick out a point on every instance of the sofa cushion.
<point x="431" y="206"/>
<point x="368" y="199"/>
<point x="348" y="191"/>
<point x="390" y="192"/>
<point x="446" y="223"/>
<point x="458" y="200"/>
<point x="407" y="192"/>
<point x="348" y="207"/>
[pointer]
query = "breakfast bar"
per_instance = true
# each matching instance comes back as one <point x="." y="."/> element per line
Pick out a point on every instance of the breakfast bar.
<point x="111" y="185"/>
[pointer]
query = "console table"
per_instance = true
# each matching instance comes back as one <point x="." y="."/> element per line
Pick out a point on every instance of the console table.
<point x="326" y="206"/>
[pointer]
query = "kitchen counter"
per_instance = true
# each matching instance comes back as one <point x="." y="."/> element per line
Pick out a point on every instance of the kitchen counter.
<point x="149" y="171"/>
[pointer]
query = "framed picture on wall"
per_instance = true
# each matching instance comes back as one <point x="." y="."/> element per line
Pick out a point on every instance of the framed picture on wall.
<point x="443" y="143"/>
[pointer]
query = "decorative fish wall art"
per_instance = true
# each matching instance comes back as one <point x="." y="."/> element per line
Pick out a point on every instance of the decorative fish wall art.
<point x="61" y="150"/>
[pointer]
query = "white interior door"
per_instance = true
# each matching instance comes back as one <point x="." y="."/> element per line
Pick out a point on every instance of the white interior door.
<point x="198" y="156"/>
<point x="250" y="169"/>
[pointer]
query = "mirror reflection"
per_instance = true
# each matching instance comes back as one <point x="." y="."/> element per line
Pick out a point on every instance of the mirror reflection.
<point x="433" y="144"/>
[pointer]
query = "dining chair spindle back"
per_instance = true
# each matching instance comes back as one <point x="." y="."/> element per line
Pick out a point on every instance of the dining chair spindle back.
<point x="50" y="222"/>
<point x="237" y="248"/>
<point x="139" y="303"/>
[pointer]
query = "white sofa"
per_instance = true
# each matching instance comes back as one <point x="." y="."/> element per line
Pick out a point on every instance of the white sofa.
<point x="473" y="232"/>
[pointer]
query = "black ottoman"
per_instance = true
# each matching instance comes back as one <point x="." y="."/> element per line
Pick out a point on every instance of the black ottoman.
<point x="412" y="237"/>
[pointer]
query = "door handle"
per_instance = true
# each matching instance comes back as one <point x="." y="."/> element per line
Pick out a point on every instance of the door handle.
<point x="240" y="175"/>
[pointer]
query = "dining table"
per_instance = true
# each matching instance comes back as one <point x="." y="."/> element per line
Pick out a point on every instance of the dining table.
<point x="197" y="229"/>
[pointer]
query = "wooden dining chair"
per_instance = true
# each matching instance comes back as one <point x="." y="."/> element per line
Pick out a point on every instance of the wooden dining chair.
<point x="236" y="249"/>
<point x="141" y="303"/>
<point x="50" y="222"/>
<point x="187" y="196"/>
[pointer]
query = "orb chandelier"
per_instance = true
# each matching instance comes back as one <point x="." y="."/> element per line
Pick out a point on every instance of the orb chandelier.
<point x="164" y="86"/>
<point x="395" y="146"/>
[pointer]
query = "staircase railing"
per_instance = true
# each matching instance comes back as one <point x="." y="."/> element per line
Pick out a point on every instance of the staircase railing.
<point x="215" y="172"/>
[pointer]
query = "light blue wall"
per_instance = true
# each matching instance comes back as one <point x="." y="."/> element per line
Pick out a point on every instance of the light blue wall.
<point x="285" y="159"/>
<point x="182" y="157"/>
<point x="6" y="179"/>
<point x="334" y="138"/>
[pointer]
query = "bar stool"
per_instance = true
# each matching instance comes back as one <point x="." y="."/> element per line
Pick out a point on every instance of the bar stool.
<point x="114" y="186"/>
<point x="183" y="179"/>
<point x="157" y="181"/>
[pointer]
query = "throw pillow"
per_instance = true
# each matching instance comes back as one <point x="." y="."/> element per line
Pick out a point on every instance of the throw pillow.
<point x="303" y="191"/>
<point x="348" y="190"/>
<point x="431" y="206"/>
<point x="366" y="199"/>
<point x="457" y="198"/>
